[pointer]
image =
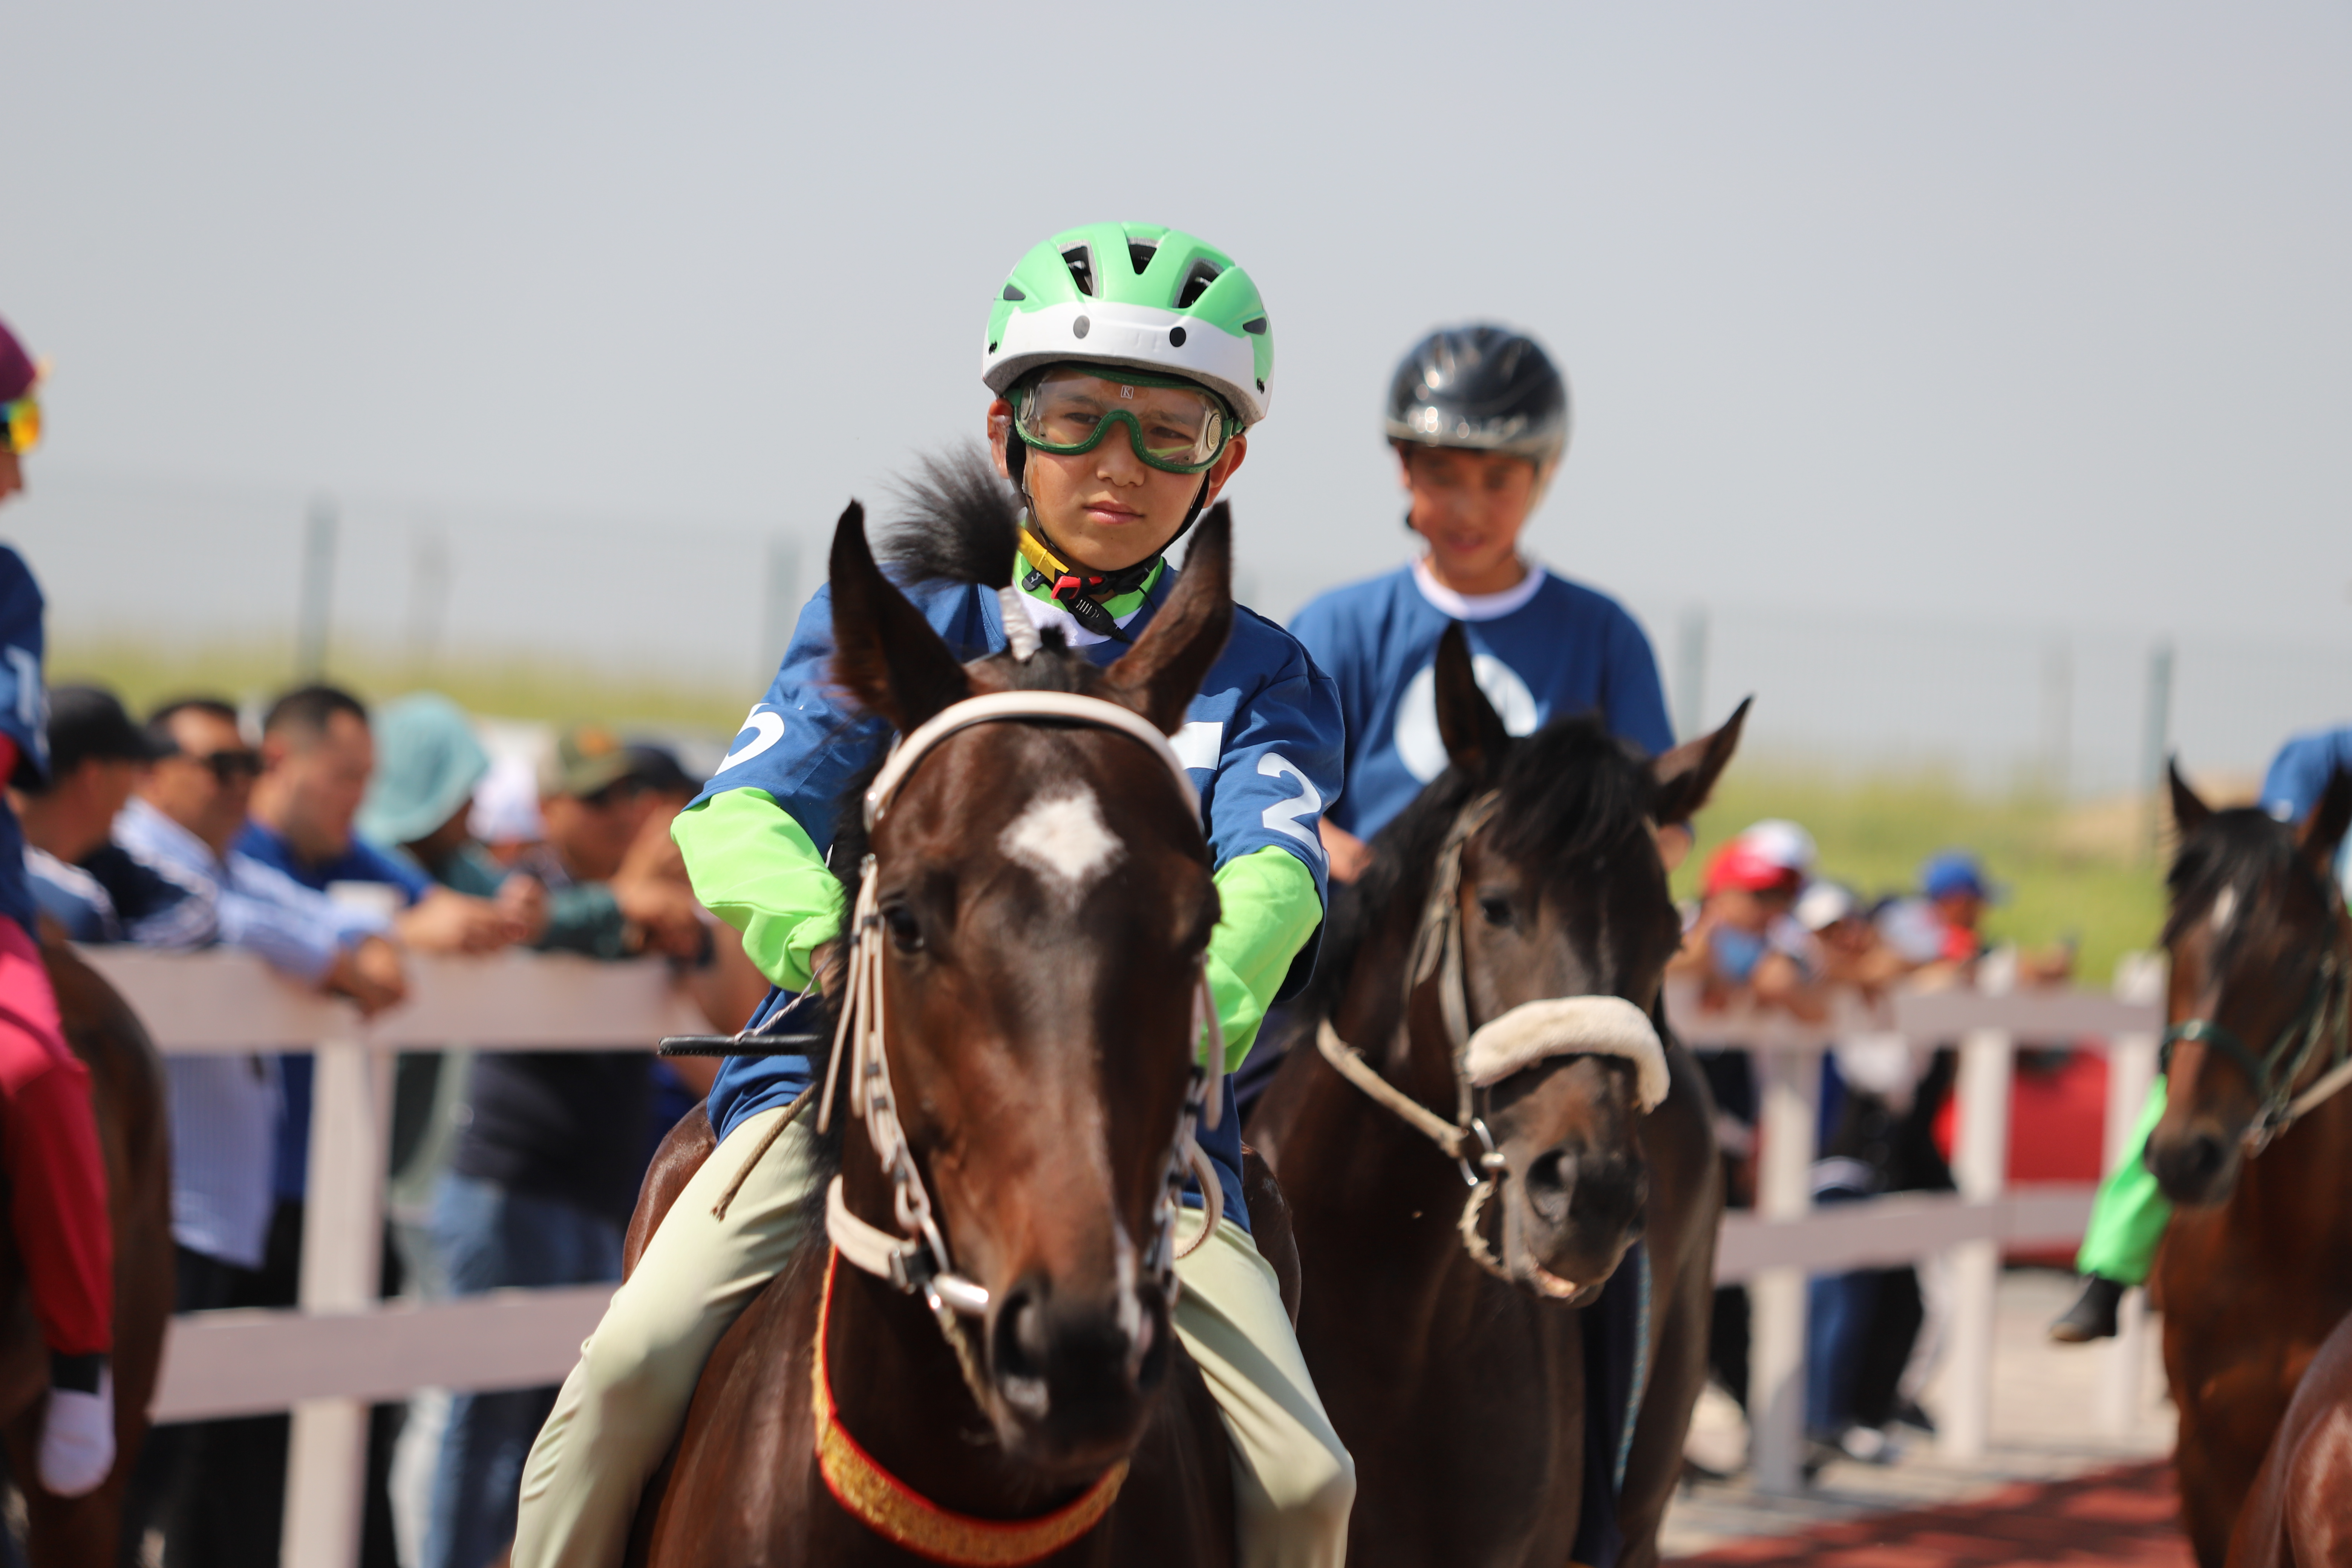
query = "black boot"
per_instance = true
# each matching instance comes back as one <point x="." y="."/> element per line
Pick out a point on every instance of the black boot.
<point x="2092" y="1315"/>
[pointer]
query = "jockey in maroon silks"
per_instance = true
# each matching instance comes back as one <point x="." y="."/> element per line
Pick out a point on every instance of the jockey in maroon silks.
<point x="48" y="1137"/>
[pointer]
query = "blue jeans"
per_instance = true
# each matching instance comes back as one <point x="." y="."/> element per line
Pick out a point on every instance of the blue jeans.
<point x="488" y="1238"/>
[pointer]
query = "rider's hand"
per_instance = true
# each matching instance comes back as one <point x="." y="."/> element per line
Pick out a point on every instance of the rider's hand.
<point x="77" y="1451"/>
<point x="369" y="973"/>
<point x="1351" y="856"/>
<point x="825" y="967"/>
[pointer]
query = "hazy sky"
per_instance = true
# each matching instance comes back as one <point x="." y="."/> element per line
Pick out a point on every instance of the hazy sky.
<point x="2034" y="313"/>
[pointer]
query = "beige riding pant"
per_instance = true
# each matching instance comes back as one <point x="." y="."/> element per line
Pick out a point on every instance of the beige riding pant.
<point x="624" y="1402"/>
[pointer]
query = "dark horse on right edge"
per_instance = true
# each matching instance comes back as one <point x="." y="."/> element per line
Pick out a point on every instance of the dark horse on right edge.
<point x="2256" y="1266"/>
<point x="1498" y="970"/>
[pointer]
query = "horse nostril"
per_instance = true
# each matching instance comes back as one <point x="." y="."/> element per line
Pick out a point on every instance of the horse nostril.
<point x="1613" y="1195"/>
<point x="1552" y="1184"/>
<point x="1018" y="1349"/>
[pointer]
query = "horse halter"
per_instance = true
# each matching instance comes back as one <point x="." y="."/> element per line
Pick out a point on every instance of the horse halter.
<point x="917" y="1260"/>
<point x="2326" y="1014"/>
<point x="1531" y="1032"/>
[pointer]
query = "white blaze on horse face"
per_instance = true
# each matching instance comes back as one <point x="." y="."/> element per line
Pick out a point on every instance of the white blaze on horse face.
<point x="1062" y="837"/>
<point x="2225" y="904"/>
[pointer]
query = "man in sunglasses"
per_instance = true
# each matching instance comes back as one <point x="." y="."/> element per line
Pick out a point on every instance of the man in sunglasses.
<point x="48" y="1137"/>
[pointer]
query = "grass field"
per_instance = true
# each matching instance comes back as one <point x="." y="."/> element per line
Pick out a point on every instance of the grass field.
<point x="2071" y="869"/>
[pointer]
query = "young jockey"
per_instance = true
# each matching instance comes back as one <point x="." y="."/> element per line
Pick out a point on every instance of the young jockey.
<point x="48" y="1139"/>
<point x="1095" y="327"/>
<point x="1479" y="418"/>
<point x="2129" y="1216"/>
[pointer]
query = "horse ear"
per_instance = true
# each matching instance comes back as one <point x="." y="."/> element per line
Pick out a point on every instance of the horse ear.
<point x="1686" y="774"/>
<point x="1161" y="675"/>
<point x="2188" y="813"/>
<point x="2322" y="831"/>
<point x="1472" y="731"/>
<point x="884" y="653"/>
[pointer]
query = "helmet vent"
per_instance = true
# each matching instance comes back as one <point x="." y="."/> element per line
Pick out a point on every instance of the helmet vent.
<point x="1196" y="283"/>
<point x="1175" y="337"/>
<point x="1254" y="326"/>
<point x="1140" y="253"/>
<point x="1080" y="260"/>
<point x="1014" y="294"/>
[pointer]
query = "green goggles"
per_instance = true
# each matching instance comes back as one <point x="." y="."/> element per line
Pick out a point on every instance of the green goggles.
<point x="20" y="425"/>
<point x="1178" y="427"/>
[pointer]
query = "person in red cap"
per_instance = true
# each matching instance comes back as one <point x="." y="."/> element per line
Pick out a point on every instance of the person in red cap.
<point x="1740" y="940"/>
<point x="48" y="1137"/>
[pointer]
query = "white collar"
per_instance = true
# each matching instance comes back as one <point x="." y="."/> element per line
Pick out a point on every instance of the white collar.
<point x="1043" y="614"/>
<point x="1477" y="606"/>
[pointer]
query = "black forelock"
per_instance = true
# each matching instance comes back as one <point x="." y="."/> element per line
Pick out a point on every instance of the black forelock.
<point x="1568" y="790"/>
<point x="1571" y="789"/>
<point x="2240" y="847"/>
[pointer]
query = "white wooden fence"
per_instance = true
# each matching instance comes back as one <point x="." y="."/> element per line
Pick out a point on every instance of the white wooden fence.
<point x="342" y="1349"/>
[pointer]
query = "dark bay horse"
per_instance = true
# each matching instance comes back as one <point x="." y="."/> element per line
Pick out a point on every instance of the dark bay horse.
<point x="2299" y="1514"/>
<point x="1040" y="1044"/>
<point x="134" y="1135"/>
<point x="2256" y="1266"/>
<point x="1458" y="1381"/>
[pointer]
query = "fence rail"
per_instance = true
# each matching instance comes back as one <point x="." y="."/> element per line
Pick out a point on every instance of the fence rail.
<point x="341" y="1348"/>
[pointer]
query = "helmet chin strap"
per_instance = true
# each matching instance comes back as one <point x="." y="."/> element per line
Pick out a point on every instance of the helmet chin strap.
<point x="1080" y="589"/>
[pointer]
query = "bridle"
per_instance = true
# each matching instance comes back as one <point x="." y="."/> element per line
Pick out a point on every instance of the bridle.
<point x="1560" y="1027"/>
<point x="2324" y="1020"/>
<point x="916" y="1259"/>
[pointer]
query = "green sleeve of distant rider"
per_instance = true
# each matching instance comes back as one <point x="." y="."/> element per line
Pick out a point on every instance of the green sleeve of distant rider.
<point x="754" y="868"/>
<point x="2129" y="1218"/>
<point x="1270" y="911"/>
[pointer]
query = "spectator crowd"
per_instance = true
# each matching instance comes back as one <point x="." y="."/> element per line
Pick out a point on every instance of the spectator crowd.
<point x="1767" y="932"/>
<point x="336" y="844"/>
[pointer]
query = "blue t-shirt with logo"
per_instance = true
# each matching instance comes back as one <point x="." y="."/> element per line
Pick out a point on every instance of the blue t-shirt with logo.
<point x="1548" y="649"/>
<point x="1262" y="742"/>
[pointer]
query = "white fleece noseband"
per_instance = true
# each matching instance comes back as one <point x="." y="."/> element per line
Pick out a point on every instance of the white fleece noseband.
<point x="1570" y="1025"/>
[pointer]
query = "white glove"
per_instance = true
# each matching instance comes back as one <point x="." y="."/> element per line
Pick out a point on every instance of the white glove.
<point x="77" y="1438"/>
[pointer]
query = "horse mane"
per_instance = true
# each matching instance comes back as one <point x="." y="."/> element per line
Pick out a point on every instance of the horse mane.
<point x="2240" y="847"/>
<point x="1567" y="791"/>
<point x="960" y="522"/>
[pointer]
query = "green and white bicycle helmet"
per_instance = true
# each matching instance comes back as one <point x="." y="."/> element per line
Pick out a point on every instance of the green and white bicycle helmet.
<point x="1134" y="294"/>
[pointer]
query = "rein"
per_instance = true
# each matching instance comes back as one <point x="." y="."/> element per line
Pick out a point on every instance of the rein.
<point x="2325" y="1019"/>
<point x="1533" y="1031"/>
<point x="916" y="1259"/>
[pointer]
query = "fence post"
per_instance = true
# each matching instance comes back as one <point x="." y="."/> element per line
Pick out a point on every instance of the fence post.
<point x="1790" y="1081"/>
<point x="2131" y="1073"/>
<point x="1980" y="1167"/>
<point x="342" y="1242"/>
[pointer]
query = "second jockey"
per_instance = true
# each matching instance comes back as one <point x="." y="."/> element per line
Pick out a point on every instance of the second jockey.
<point x="1123" y="317"/>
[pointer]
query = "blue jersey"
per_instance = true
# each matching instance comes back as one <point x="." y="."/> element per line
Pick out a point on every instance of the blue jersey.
<point x="1544" y="650"/>
<point x="1262" y="742"/>
<point x="24" y="719"/>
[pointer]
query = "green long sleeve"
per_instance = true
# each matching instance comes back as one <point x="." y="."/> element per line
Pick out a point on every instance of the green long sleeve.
<point x="754" y="868"/>
<point x="1270" y="911"/>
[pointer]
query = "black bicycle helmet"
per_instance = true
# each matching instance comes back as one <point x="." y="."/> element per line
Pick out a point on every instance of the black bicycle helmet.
<point x="1482" y="387"/>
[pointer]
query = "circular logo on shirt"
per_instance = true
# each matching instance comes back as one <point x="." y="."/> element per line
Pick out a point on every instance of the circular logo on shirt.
<point x="1420" y="746"/>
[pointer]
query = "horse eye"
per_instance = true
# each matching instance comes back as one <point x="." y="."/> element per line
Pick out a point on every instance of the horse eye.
<point x="1495" y="908"/>
<point x="905" y="931"/>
